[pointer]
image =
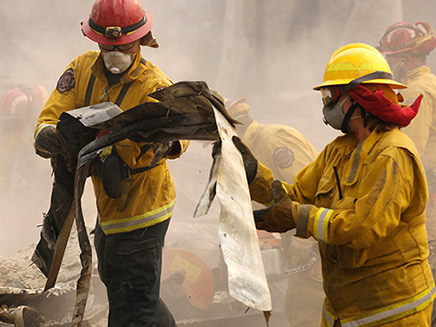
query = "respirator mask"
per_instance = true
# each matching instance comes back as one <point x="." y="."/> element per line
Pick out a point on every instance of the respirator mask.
<point x="333" y="110"/>
<point x="117" y="62"/>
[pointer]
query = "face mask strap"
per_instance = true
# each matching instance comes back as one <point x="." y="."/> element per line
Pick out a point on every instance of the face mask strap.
<point x="345" y="128"/>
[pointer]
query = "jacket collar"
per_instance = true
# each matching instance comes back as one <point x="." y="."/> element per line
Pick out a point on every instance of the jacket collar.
<point x="361" y="154"/>
<point x="415" y="73"/>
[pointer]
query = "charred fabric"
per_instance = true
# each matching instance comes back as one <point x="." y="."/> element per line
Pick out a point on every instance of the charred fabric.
<point x="184" y="111"/>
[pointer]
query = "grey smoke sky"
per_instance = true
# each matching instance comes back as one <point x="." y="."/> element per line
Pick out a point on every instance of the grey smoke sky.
<point x="271" y="52"/>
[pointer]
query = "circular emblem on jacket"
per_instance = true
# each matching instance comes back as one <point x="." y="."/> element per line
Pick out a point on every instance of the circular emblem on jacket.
<point x="283" y="157"/>
<point x="66" y="81"/>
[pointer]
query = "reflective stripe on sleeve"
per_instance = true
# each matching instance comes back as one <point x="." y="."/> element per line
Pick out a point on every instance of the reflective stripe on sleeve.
<point x="141" y="221"/>
<point x="321" y="223"/>
<point x="41" y="127"/>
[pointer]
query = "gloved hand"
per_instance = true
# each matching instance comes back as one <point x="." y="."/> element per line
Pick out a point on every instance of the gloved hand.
<point x="250" y="161"/>
<point x="174" y="148"/>
<point x="278" y="217"/>
<point x="49" y="142"/>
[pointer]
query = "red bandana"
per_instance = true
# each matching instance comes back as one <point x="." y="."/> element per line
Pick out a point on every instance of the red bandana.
<point x="379" y="105"/>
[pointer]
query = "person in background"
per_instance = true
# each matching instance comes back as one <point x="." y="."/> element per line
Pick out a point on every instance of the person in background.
<point x="128" y="238"/>
<point x="285" y="151"/>
<point x="19" y="108"/>
<point x="406" y="47"/>
<point x="363" y="199"/>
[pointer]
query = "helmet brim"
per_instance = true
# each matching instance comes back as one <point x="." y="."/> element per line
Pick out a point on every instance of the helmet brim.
<point x="125" y="38"/>
<point x="338" y="82"/>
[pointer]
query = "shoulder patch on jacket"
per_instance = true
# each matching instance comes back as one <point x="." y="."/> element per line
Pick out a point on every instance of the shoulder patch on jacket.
<point x="66" y="82"/>
<point x="283" y="157"/>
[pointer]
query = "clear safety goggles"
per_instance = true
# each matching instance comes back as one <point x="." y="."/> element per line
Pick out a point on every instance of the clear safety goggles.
<point x="121" y="47"/>
<point x="330" y="95"/>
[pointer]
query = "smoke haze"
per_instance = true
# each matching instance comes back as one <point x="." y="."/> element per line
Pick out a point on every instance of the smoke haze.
<point x="271" y="52"/>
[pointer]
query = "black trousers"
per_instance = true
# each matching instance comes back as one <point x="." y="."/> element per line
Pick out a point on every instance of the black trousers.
<point x="129" y="265"/>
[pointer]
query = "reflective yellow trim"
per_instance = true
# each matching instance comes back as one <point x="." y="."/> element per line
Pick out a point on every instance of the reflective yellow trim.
<point x="97" y="32"/>
<point x="320" y="224"/>
<point x="147" y="219"/>
<point x="41" y="127"/>
<point x="391" y="312"/>
<point x="315" y="223"/>
<point x="137" y="226"/>
<point x="325" y="226"/>
<point x="328" y="317"/>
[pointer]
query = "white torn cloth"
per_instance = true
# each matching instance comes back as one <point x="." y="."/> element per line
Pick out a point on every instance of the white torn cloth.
<point x="237" y="232"/>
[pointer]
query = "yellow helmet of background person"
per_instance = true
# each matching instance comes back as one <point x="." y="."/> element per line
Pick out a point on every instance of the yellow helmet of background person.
<point x="356" y="60"/>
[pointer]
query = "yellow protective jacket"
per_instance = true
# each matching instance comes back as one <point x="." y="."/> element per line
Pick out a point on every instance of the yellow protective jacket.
<point x="281" y="148"/>
<point x="422" y="129"/>
<point x="152" y="193"/>
<point x="372" y="241"/>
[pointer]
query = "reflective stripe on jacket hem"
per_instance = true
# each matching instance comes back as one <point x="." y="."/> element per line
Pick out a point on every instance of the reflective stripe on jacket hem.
<point x="129" y="224"/>
<point x="386" y="314"/>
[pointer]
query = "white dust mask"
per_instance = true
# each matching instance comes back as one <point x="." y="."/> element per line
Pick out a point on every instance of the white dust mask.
<point x="117" y="62"/>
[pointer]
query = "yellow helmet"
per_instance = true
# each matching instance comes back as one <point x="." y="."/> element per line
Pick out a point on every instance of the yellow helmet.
<point x="358" y="63"/>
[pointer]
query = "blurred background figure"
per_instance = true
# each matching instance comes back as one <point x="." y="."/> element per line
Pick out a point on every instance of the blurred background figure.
<point x="406" y="47"/>
<point x="285" y="151"/>
<point x="19" y="108"/>
<point x="21" y="196"/>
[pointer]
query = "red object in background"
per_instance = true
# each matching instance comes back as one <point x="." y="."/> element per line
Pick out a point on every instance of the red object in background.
<point x="198" y="284"/>
<point x="267" y="240"/>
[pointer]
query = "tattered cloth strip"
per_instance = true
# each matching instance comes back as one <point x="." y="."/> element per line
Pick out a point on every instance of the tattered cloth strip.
<point x="185" y="111"/>
<point x="237" y="231"/>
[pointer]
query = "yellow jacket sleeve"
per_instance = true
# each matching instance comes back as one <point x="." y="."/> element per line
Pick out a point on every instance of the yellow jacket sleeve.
<point x="419" y="129"/>
<point x="383" y="193"/>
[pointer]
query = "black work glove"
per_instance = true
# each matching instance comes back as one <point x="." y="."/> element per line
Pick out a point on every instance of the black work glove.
<point x="174" y="148"/>
<point x="278" y="217"/>
<point x="49" y="142"/>
<point x="250" y="161"/>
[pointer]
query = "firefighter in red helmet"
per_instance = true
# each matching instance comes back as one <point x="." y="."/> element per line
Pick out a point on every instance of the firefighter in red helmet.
<point x="128" y="238"/>
<point x="19" y="107"/>
<point x="406" y="47"/>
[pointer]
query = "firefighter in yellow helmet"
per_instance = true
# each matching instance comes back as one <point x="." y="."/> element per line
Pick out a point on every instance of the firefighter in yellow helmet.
<point x="363" y="199"/>
<point x="406" y="47"/>
<point x="129" y="239"/>
<point x="286" y="151"/>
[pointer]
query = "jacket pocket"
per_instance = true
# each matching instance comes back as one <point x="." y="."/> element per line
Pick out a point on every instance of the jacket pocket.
<point x="324" y="192"/>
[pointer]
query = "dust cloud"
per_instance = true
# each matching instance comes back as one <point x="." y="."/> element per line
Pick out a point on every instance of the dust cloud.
<point x="271" y="52"/>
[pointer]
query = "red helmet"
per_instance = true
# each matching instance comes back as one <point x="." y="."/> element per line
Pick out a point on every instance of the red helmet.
<point x="23" y="101"/>
<point x="407" y="37"/>
<point x="116" y="22"/>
